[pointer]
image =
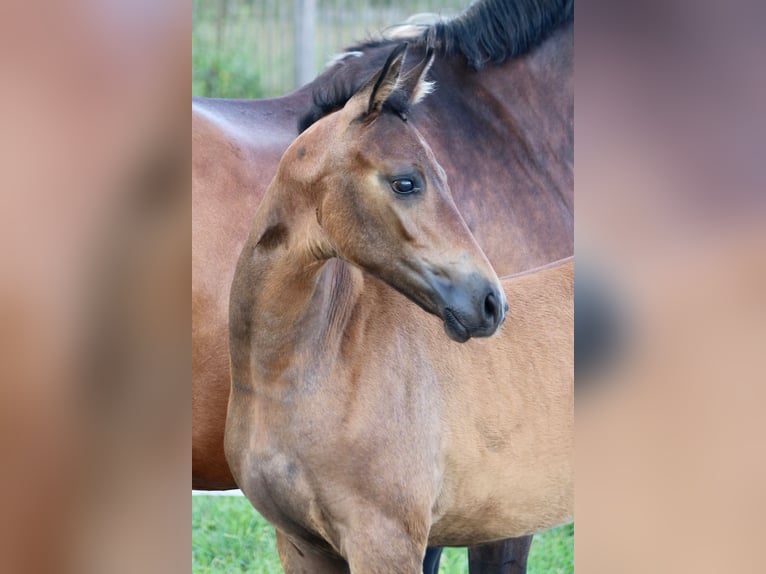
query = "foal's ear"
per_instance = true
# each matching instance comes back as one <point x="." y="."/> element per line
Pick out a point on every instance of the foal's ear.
<point x="387" y="81"/>
<point x="414" y="83"/>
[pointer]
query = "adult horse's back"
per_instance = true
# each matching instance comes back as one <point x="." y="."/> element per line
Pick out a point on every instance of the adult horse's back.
<point x="236" y="146"/>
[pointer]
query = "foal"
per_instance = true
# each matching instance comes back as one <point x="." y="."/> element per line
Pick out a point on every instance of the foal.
<point x="354" y="425"/>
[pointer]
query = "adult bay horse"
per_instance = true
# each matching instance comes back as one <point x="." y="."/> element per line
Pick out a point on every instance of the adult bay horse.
<point x="501" y="125"/>
<point x="356" y="426"/>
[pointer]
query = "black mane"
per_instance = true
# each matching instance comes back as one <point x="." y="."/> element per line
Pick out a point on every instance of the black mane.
<point x="495" y="30"/>
<point x="489" y="31"/>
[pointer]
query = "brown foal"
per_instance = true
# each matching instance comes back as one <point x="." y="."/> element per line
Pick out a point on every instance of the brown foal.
<point x="354" y="425"/>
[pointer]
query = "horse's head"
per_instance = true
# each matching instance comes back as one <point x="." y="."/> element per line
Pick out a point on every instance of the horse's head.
<point x="383" y="203"/>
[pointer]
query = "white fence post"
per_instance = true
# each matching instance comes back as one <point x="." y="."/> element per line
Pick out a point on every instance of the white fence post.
<point x="305" y="41"/>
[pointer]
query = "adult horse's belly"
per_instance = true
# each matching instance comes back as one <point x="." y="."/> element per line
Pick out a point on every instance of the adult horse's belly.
<point x="509" y="462"/>
<point x="231" y="169"/>
<point x="498" y="506"/>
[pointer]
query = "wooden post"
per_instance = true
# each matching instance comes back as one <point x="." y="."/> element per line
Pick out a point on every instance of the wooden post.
<point x="305" y="41"/>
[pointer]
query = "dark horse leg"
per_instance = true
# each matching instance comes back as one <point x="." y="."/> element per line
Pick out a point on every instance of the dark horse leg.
<point x="431" y="560"/>
<point x="501" y="557"/>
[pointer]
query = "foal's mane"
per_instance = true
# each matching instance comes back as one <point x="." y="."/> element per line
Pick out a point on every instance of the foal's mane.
<point x="489" y="31"/>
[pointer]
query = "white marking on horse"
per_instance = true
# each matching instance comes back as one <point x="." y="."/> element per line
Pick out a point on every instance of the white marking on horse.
<point x="338" y="58"/>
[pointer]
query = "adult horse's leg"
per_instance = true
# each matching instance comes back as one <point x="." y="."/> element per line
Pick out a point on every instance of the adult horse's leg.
<point x="298" y="560"/>
<point x="431" y="560"/>
<point x="501" y="557"/>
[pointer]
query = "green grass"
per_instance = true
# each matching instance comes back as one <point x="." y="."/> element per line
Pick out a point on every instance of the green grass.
<point x="230" y="537"/>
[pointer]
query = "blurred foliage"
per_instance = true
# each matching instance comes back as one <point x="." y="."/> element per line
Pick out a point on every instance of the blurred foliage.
<point x="225" y="74"/>
<point x="222" y="68"/>
<point x="246" y="48"/>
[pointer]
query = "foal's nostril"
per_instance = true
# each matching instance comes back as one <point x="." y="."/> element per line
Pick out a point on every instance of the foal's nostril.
<point x="490" y="307"/>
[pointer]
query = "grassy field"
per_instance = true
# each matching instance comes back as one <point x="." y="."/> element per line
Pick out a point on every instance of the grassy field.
<point x="230" y="537"/>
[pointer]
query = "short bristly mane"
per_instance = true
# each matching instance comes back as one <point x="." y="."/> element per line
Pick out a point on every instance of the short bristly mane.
<point x="489" y="31"/>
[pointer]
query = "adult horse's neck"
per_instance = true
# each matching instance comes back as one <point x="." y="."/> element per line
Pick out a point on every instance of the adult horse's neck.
<point x="504" y="135"/>
<point x="533" y="97"/>
<point x="290" y="298"/>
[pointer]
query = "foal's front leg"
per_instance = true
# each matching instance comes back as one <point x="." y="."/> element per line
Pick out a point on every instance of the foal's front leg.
<point x="387" y="546"/>
<point x="298" y="558"/>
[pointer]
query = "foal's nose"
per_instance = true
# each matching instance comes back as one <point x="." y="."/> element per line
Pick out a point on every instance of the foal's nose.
<point x="495" y="308"/>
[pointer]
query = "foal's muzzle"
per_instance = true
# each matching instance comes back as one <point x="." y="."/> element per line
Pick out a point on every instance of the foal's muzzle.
<point x="475" y="307"/>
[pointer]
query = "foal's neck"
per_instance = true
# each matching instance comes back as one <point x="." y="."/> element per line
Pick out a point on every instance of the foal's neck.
<point x="298" y="298"/>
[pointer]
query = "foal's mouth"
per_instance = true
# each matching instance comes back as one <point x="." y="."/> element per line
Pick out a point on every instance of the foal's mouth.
<point x="454" y="328"/>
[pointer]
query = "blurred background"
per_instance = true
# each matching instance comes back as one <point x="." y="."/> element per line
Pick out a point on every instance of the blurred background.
<point x="267" y="48"/>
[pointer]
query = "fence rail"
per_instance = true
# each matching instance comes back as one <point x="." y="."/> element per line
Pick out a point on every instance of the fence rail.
<point x="266" y="48"/>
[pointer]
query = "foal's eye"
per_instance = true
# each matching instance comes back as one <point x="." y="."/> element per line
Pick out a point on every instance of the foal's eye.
<point x="403" y="186"/>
